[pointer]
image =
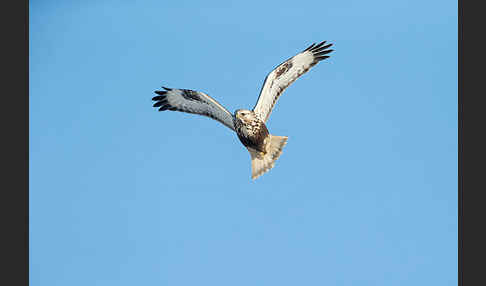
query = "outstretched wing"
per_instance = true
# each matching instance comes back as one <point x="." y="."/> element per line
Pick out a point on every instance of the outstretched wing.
<point x="191" y="101"/>
<point x="285" y="74"/>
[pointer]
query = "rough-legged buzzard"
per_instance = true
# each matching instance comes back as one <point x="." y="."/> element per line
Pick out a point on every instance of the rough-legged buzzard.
<point x="249" y="125"/>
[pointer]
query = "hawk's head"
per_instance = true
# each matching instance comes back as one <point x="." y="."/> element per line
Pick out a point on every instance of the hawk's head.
<point x="245" y="115"/>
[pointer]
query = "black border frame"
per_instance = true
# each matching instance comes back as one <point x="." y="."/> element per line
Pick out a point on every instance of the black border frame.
<point x="14" y="194"/>
<point x="471" y="144"/>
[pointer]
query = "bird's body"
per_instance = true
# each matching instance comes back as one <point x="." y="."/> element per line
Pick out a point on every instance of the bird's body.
<point x="264" y="148"/>
<point x="249" y="125"/>
<point x="251" y="130"/>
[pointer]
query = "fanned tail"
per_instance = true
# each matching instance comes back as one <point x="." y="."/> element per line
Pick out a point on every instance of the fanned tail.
<point x="262" y="163"/>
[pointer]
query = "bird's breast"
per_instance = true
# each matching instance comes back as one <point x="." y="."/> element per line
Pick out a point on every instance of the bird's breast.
<point x="252" y="134"/>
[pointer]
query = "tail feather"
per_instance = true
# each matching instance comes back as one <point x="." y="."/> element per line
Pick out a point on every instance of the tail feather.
<point x="261" y="164"/>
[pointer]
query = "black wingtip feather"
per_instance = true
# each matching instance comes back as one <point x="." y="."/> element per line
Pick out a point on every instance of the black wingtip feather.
<point x="159" y="97"/>
<point x="321" y="58"/>
<point x="160" y="92"/>
<point x="165" y="107"/>
<point x="320" y="49"/>
<point x="323" y="53"/>
<point x="310" y="47"/>
<point x="326" y="46"/>
<point x="160" y="103"/>
<point x="319" y="45"/>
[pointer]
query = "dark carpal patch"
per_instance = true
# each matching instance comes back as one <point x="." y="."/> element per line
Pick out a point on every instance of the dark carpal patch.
<point x="190" y="95"/>
<point x="283" y="69"/>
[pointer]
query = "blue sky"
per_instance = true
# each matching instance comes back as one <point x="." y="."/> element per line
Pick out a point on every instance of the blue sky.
<point x="365" y="192"/>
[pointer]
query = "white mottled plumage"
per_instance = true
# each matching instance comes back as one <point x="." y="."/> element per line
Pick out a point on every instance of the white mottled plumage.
<point x="196" y="102"/>
<point x="285" y="74"/>
<point x="249" y="125"/>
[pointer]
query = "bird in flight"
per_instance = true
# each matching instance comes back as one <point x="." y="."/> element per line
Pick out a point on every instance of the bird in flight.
<point x="249" y="125"/>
